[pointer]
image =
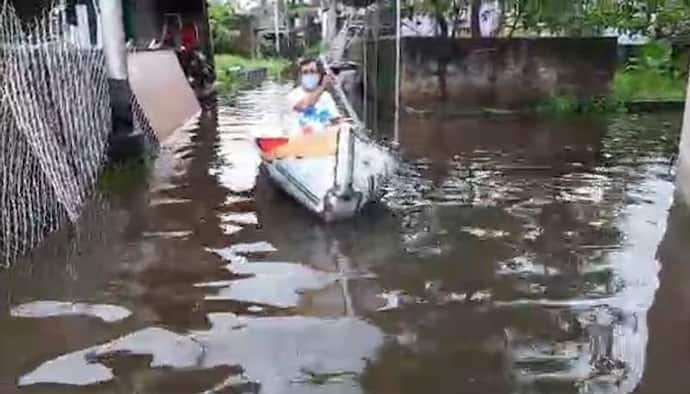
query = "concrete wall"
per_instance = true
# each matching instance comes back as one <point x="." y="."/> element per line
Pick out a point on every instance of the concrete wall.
<point x="493" y="72"/>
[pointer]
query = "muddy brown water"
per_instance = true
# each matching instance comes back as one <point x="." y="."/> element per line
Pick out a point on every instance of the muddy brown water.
<point x="510" y="255"/>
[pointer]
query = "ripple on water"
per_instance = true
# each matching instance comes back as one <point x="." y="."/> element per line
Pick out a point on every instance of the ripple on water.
<point x="245" y="248"/>
<point x="43" y="309"/>
<point x="280" y="354"/>
<point x="253" y="113"/>
<point x="81" y="368"/>
<point x="493" y="267"/>
<point x="242" y="218"/>
<point x="276" y="284"/>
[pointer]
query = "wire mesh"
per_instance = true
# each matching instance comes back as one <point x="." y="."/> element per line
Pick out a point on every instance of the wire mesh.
<point x="55" y="118"/>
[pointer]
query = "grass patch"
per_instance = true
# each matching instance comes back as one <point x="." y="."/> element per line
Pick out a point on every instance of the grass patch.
<point x="650" y="75"/>
<point x="648" y="85"/>
<point x="228" y="65"/>
<point x="562" y="105"/>
<point x="629" y="85"/>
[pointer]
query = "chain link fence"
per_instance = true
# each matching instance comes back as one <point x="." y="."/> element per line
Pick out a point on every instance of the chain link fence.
<point x="55" y="118"/>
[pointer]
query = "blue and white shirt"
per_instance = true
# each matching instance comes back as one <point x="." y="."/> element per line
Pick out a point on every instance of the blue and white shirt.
<point x="313" y="119"/>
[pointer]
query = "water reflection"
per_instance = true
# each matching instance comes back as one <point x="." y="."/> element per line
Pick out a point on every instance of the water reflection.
<point x="509" y="255"/>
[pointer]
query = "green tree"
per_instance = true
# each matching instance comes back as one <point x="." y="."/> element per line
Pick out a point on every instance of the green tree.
<point x="221" y="17"/>
<point x="653" y="18"/>
<point x="656" y="19"/>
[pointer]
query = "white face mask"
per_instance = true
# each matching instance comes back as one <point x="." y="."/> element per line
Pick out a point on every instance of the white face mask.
<point x="310" y="81"/>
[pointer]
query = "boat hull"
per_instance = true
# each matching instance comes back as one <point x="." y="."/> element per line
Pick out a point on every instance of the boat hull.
<point x="325" y="186"/>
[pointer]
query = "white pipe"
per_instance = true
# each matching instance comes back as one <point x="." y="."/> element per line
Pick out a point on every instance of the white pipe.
<point x="397" y="72"/>
<point x="113" y="30"/>
<point x="83" y="27"/>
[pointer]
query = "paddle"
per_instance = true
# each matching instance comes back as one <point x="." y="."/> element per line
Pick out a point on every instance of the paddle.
<point x="342" y="96"/>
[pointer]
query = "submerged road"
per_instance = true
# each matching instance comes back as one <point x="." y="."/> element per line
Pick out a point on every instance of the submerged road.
<point x="510" y="255"/>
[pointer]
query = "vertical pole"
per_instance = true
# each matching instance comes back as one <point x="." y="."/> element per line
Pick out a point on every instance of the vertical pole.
<point x="332" y="24"/>
<point x="276" y="25"/>
<point x="365" y="71"/>
<point x="113" y="30"/>
<point x="397" y="73"/>
<point x="99" y="28"/>
<point x="375" y="78"/>
<point x="683" y="172"/>
<point x="324" y="22"/>
<point x="209" y="49"/>
<point x="83" y="28"/>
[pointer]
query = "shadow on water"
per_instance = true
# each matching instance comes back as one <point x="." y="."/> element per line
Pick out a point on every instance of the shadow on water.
<point x="509" y="255"/>
<point x="668" y="317"/>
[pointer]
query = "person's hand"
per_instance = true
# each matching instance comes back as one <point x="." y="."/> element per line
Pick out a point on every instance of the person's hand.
<point x="328" y="81"/>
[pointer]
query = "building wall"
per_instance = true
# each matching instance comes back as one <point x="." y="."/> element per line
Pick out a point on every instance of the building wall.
<point x="423" y="24"/>
<point x="493" y="72"/>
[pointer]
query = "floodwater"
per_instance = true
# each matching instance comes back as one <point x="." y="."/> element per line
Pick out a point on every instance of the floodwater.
<point x="510" y="255"/>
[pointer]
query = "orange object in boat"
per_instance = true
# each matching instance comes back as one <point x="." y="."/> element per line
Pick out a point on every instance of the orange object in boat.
<point x="269" y="144"/>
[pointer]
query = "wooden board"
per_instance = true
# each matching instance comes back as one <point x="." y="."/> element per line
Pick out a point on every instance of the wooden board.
<point x="306" y="146"/>
<point x="161" y="88"/>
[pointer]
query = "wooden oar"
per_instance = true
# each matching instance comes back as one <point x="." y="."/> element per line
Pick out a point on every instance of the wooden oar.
<point x="351" y="113"/>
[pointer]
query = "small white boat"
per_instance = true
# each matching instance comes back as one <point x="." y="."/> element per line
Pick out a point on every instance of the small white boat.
<point x="336" y="176"/>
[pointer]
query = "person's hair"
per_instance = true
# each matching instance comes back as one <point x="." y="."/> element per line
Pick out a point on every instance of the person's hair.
<point x="308" y="60"/>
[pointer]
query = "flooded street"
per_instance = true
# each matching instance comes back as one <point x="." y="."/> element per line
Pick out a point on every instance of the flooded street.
<point x="509" y="255"/>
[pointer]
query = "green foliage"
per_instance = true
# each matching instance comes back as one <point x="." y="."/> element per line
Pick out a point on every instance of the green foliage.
<point x="651" y="75"/>
<point x="221" y="17"/>
<point x="653" y="18"/>
<point x="654" y="56"/>
<point x="644" y="84"/>
<point x="554" y="17"/>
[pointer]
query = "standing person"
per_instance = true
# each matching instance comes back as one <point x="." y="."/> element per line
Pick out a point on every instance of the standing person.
<point x="312" y="106"/>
